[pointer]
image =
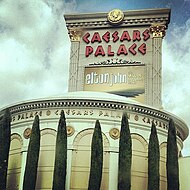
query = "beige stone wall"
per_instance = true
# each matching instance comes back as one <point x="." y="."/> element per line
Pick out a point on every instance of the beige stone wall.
<point x="84" y="26"/>
<point x="81" y="113"/>
<point x="184" y="171"/>
<point x="14" y="163"/>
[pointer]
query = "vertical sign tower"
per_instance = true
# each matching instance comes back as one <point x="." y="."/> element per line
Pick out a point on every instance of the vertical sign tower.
<point x="118" y="52"/>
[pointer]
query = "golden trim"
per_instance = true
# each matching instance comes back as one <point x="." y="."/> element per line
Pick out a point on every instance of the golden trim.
<point x="27" y="133"/>
<point x="70" y="131"/>
<point x="114" y="133"/>
<point x="115" y="16"/>
<point x="75" y="35"/>
<point x="158" y="30"/>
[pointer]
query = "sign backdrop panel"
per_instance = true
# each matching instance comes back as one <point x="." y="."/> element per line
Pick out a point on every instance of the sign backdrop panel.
<point x="127" y="80"/>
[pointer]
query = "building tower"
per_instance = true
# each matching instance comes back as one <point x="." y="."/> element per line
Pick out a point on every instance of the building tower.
<point x="116" y="52"/>
<point x="119" y="52"/>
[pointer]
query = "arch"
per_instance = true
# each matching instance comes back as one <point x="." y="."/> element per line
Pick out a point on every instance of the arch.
<point x="89" y="131"/>
<point x="14" y="163"/>
<point x="80" y="166"/>
<point x="46" y="158"/>
<point x="17" y="136"/>
<point x="139" y="162"/>
<point x="141" y="139"/>
<point x="163" y="155"/>
<point x="163" y="148"/>
<point x="48" y="131"/>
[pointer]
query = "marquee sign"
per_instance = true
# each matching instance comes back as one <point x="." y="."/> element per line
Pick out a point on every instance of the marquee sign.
<point x="122" y="80"/>
<point x="121" y="38"/>
<point x="107" y="47"/>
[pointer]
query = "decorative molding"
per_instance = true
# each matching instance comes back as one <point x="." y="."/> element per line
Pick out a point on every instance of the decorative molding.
<point x="73" y="70"/>
<point x="114" y="133"/>
<point x="27" y="133"/>
<point x="130" y="108"/>
<point x="158" y="30"/>
<point x="115" y="16"/>
<point x="131" y="18"/>
<point x="89" y="103"/>
<point x="75" y="35"/>
<point x="70" y="131"/>
<point x="126" y="22"/>
<point x="17" y="136"/>
<point x="115" y="62"/>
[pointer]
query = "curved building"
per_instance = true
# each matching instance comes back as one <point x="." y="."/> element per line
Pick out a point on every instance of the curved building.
<point x="82" y="109"/>
<point x="118" y="55"/>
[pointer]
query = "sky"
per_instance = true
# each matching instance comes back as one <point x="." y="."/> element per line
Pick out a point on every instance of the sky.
<point x="35" y="49"/>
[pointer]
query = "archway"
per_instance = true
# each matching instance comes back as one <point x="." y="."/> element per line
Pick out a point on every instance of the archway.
<point x="81" y="161"/>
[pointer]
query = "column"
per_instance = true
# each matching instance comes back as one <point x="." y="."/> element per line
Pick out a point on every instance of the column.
<point x="158" y="31"/>
<point x="74" y="59"/>
<point x="113" y="170"/>
<point x="23" y="164"/>
<point x="69" y="163"/>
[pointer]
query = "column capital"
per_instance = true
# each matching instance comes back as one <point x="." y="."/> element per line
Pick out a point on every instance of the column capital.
<point x="158" y="30"/>
<point x="75" y="35"/>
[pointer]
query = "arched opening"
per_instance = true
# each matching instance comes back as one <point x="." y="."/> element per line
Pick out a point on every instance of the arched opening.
<point x="139" y="162"/>
<point x="81" y="156"/>
<point x="46" y="159"/>
<point x="163" y="154"/>
<point x="14" y="163"/>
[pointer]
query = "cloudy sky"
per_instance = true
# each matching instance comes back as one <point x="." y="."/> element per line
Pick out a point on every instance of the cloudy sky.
<point x="34" y="49"/>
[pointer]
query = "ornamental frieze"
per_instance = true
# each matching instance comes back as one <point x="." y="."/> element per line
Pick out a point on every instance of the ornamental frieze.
<point x="88" y="113"/>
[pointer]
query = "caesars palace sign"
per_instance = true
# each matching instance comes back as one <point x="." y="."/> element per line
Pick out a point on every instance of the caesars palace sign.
<point x="123" y="38"/>
<point x="115" y="17"/>
<point x="113" y="55"/>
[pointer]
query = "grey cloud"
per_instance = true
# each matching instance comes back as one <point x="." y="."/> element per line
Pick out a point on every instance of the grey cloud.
<point x="35" y="55"/>
<point x="34" y="50"/>
<point x="176" y="67"/>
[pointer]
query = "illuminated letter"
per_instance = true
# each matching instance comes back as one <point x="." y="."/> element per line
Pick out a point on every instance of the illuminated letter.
<point x="142" y="48"/>
<point x="85" y="38"/>
<point x="99" y="51"/>
<point x="88" y="78"/>
<point x="115" y="36"/>
<point x="125" y="36"/>
<point x="96" y="81"/>
<point x="136" y="35"/>
<point x="110" y="53"/>
<point x="106" y="37"/>
<point x="122" y="50"/>
<point x="96" y="38"/>
<point x="146" y="35"/>
<point x="89" y="50"/>
<point x="132" y="49"/>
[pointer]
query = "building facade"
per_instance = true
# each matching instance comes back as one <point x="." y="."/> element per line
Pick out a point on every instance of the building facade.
<point x="118" y="52"/>
<point x="82" y="109"/>
<point x="115" y="66"/>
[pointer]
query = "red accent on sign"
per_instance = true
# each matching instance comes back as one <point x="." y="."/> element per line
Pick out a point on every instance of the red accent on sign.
<point x="99" y="51"/>
<point x="142" y="48"/>
<point x="132" y="49"/>
<point x="125" y="36"/>
<point x="106" y="37"/>
<point x="146" y="35"/>
<point x="122" y="50"/>
<point x="96" y="38"/>
<point x="136" y="35"/>
<point x="85" y="38"/>
<point x="110" y="53"/>
<point x="89" y="50"/>
<point x="115" y="36"/>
